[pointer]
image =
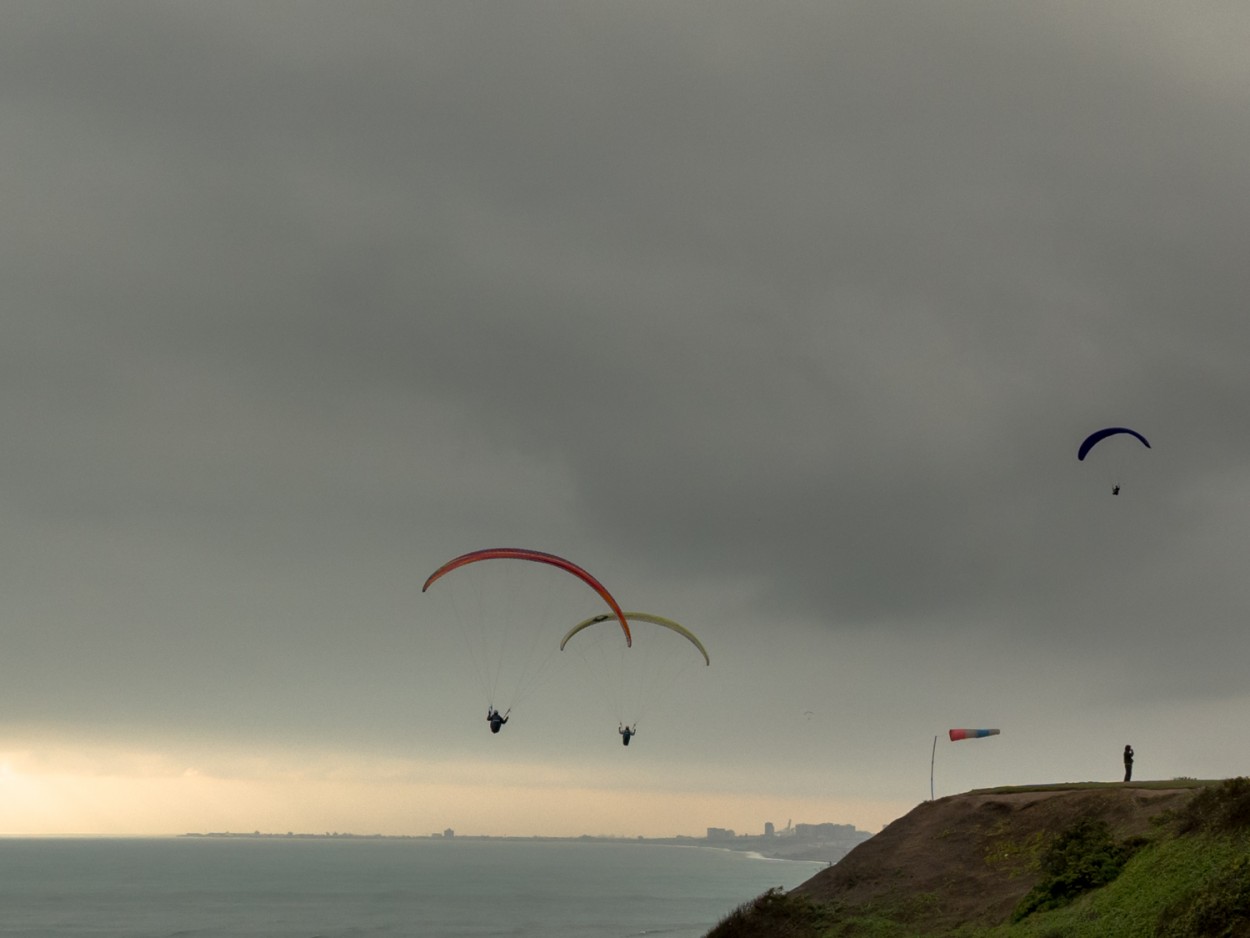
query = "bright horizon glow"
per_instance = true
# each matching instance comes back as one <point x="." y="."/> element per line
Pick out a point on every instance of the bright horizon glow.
<point x="107" y="792"/>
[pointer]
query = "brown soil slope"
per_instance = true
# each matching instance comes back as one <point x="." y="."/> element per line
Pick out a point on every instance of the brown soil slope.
<point x="971" y="858"/>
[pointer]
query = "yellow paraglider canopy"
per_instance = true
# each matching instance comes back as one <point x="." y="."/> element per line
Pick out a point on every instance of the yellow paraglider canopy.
<point x="641" y="617"/>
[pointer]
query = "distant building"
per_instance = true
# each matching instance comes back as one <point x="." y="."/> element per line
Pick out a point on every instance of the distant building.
<point x="449" y="834"/>
<point x="720" y="833"/>
<point x="823" y="831"/>
<point x="769" y="830"/>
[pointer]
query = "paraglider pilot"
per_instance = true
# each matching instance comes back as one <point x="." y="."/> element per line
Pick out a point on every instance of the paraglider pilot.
<point x="495" y="719"/>
<point x="1128" y="763"/>
<point x="1115" y="489"/>
<point x="626" y="732"/>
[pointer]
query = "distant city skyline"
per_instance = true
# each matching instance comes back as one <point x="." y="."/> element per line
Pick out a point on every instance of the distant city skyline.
<point x="824" y="828"/>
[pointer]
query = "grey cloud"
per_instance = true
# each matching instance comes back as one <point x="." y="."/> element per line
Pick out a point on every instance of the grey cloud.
<point x="819" y="301"/>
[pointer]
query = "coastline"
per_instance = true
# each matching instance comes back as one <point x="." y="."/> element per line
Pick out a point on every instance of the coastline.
<point x="766" y="847"/>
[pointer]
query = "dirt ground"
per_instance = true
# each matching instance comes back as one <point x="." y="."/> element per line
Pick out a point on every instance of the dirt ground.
<point x="969" y="858"/>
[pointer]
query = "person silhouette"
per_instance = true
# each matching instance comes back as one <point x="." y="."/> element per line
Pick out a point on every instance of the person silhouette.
<point x="496" y="719"/>
<point x="1128" y="763"/>
<point x="626" y="732"/>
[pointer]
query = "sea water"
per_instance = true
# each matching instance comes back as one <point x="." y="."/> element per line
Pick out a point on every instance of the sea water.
<point x="333" y="887"/>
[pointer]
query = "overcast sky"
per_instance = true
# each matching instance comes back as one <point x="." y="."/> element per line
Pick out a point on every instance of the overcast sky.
<point x="784" y="320"/>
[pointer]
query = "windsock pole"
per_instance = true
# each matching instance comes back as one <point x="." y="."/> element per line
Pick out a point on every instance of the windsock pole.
<point x="932" y="758"/>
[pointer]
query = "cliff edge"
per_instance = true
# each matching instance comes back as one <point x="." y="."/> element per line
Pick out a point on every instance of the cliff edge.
<point x="971" y="858"/>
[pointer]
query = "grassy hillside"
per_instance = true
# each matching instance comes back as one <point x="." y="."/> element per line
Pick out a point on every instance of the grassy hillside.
<point x="1168" y="859"/>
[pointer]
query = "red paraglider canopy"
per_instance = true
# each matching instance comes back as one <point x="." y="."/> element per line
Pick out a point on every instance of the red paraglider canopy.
<point x="538" y="556"/>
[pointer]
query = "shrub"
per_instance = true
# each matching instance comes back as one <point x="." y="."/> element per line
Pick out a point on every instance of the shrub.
<point x="1217" y="809"/>
<point x="773" y="914"/>
<point x="1083" y="857"/>
<point x="1219" y="909"/>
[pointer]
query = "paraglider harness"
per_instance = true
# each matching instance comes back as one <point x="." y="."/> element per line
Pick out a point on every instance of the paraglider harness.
<point x="495" y="719"/>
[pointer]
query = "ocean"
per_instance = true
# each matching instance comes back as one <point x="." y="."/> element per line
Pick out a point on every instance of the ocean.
<point x="374" y="888"/>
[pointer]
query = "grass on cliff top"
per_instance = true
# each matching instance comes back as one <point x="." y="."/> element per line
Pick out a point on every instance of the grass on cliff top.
<point x="1156" y="785"/>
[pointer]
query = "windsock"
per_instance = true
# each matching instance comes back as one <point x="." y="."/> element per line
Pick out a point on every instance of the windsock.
<point x="971" y="734"/>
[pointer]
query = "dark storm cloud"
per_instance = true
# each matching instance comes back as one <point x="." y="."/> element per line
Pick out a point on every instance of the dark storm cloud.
<point x="818" y="299"/>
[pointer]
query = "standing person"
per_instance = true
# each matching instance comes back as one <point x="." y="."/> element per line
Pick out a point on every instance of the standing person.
<point x="1128" y="763"/>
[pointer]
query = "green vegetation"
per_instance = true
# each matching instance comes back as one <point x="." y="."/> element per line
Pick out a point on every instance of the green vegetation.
<point x="1155" y="785"/>
<point x="1083" y="857"/>
<point x="778" y="915"/>
<point x="1012" y="855"/>
<point x="1218" y="809"/>
<point x="1189" y="879"/>
<point x="1188" y="886"/>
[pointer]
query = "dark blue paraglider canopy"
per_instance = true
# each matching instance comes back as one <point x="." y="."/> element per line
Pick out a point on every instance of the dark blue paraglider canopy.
<point x="1091" y="440"/>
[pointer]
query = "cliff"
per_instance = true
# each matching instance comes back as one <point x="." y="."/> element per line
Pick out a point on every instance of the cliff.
<point x="972" y="856"/>
<point x="965" y="862"/>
